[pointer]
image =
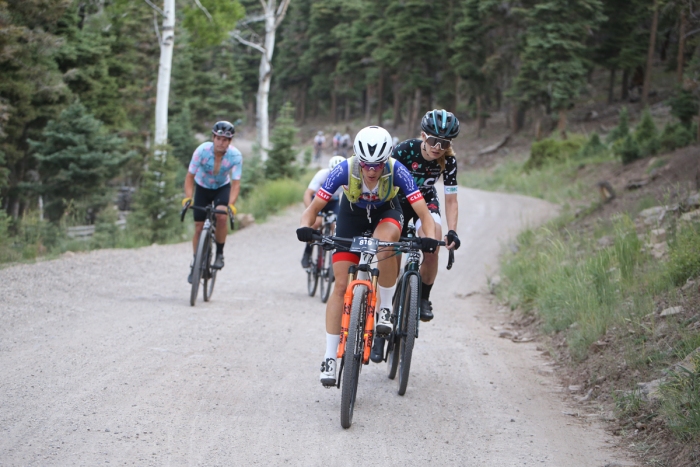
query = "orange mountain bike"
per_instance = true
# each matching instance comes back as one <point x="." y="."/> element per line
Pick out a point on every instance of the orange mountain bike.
<point x="357" y="323"/>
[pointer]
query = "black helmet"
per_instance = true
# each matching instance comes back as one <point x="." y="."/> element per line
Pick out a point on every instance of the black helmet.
<point x="440" y="123"/>
<point x="223" y="128"/>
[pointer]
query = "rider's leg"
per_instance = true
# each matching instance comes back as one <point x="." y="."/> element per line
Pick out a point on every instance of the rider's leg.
<point x="334" y="312"/>
<point x="388" y="230"/>
<point x="428" y="272"/>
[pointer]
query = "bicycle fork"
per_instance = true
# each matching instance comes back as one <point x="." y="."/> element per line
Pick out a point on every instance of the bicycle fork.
<point x="368" y="334"/>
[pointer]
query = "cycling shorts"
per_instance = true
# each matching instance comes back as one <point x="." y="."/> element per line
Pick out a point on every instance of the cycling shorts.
<point x="409" y="214"/>
<point x="204" y="196"/>
<point x="352" y="222"/>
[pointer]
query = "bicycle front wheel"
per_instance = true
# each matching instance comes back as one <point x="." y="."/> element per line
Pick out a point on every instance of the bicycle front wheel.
<point x="327" y="277"/>
<point x="394" y="339"/>
<point x="409" y="324"/>
<point x="352" y="360"/>
<point x="210" y="273"/>
<point x="312" y="272"/>
<point x="199" y="264"/>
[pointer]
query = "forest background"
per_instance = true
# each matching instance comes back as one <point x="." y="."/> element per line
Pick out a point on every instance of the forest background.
<point x="78" y="86"/>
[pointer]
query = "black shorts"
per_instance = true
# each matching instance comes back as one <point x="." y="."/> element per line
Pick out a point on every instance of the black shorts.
<point x="352" y="221"/>
<point x="433" y="203"/>
<point x="204" y="196"/>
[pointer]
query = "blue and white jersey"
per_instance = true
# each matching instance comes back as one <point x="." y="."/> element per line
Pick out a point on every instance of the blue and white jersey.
<point x="340" y="177"/>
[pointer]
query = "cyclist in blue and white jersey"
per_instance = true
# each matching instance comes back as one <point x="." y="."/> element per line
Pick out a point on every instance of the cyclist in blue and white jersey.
<point x="370" y="180"/>
<point x="332" y="206"/>
<point x="215" y="172"/>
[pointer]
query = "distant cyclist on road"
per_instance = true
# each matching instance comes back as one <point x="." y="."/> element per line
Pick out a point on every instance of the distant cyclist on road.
<point x="332" y="206"/>
<point x="319" y="141"/>
<point x="215" y="171"/>
<point x="371" y="180"/>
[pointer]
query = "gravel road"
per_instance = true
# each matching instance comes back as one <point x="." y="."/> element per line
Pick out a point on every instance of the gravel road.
<point x="104" y="362"/>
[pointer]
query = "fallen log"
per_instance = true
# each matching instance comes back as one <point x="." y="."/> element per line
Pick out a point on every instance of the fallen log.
<point x="495" y="147"/>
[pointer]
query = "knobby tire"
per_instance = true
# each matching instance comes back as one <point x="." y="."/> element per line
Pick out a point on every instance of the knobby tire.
<point x="408" y="331"/>
<point x="394" y="339"/>
<point x="327" y="277"/>
<point x="210" y="273"/>
<point x="312" y="273"/>
<point x="202" y="248"/>
<point x="354" y="349"/>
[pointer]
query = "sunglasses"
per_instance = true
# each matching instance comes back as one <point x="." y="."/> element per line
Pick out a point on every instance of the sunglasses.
<point x="432" y="141"/>
<point x="368" y="166"/>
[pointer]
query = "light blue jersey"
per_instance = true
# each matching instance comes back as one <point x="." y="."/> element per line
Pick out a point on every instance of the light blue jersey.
<point x="202" y="166"/>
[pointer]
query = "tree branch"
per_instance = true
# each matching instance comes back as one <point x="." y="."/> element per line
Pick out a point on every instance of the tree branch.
<point x="251" y="19"/>
<point x="281" y="11"/>
<point x="161" y="12"/>
<point x="206" y="12"/>
<point x="236" y="35"/>
<point x="692" y="33"/>
<point x="155" y="26"/>
<point x="262" y="2"/>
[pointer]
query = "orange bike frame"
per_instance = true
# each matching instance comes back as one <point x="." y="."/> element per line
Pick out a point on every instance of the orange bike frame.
<point x="369" y="320"/>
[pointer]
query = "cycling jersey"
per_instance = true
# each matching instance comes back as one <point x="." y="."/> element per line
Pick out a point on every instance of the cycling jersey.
<point x="425" y="173"/>
<point x="320" y="177"/>
<point x="202" y="166"/>
<point x="369" y="198"/>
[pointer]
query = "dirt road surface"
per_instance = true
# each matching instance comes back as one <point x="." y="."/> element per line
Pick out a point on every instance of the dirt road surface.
<point x="104" y="362"/>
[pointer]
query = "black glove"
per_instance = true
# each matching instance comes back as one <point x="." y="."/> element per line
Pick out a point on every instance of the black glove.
<point x="453" y="238"/>
<point x="429" y="245"/>
<point x="305" y="234"/>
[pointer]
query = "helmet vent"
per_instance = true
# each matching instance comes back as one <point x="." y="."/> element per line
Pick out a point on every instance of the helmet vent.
<point x="371" y="149"/>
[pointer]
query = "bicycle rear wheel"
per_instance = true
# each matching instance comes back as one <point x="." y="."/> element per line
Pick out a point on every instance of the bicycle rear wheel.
<point x="312" y="272"/>
<point x="394" y="339"/>
<point x="409" y="323"/>
<point x="199" y="264"/>
<point x="352" y="360"/>
<point x="327" y="276"/>
<point x="210" y="273"/>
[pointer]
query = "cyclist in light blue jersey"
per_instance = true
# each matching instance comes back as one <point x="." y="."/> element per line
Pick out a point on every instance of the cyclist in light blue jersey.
<point x="214" y="175"/>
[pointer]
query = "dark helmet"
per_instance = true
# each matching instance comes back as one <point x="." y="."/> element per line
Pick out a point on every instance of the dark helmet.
<point x="440" y="123"/>
<point x="223" y="128"/>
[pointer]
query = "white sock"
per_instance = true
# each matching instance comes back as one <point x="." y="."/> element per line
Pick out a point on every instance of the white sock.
<point x="332" y="341"/>
<point x="385" y="296"/>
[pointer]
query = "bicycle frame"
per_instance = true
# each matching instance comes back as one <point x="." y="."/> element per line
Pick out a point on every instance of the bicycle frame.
<point x="362" y="270"/>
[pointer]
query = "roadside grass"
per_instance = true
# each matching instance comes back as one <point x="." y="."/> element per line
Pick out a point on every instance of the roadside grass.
<point x="29" y="238"/>
<point x="602" y="290"/>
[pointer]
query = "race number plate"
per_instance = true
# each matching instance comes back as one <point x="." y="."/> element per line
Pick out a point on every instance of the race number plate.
<point x="364" y="245"/>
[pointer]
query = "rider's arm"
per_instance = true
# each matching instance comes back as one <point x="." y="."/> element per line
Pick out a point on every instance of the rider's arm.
<point x="427" y="222"/>
<point x="451" y="211"/>
<point x="308" y="217"/>
<point x="189" y="185"/>
<point x="235" y="190"/>
<point x="308" y="196"/>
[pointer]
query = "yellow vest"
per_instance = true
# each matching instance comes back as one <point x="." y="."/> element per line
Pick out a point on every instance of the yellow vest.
<point x="386" y="190"/>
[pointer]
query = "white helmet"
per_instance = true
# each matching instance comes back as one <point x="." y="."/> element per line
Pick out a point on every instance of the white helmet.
<point x="373" y="145"/>
<point x="335" y="160"/>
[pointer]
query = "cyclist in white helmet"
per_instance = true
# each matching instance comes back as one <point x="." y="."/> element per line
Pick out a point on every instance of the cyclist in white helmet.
<point x="332" y="205"/>
<point x="370" y="181"/>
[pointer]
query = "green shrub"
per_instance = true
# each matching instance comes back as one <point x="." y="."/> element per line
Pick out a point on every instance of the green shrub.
<point x="684" y="106"/>
<point x="684" y="261"/>
<point x="282" y="157"/>
<point x="646" y="135"/>
<point x="622" y="129"/>
<point x="593" y="147"/>
<point x="676" y="135"/>
<point x="681" y="399"/>
<point x="627" y="149"/>
<point x="270" y="197"/>
<point x="553" y="150"/>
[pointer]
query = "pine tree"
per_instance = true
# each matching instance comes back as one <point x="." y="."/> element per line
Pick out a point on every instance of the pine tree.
<point x="282" y="157"/>
<point x="77" y="157"/>
<point x="554" y="64"/>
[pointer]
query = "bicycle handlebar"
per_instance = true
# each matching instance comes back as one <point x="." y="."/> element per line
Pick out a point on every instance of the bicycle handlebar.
<point x="188" y="205"/>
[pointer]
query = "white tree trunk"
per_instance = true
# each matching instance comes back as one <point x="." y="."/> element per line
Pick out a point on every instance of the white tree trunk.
<point x="262" y="119"/>
<point x="273" y="16"/>
<point x="166" y="59"/>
